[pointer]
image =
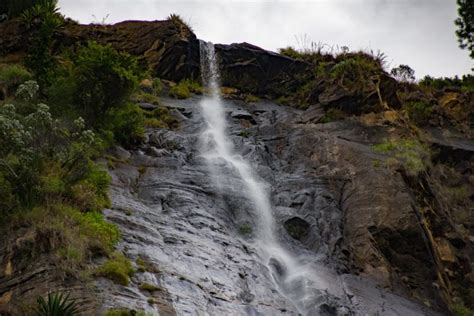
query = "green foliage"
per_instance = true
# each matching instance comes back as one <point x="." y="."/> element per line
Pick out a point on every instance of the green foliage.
<point x="178" y="21"/>
<point x="105" y="234"/>
<point x="40" y="156"/>
<point x="250" y="98"/>
<point x="145" y="265"/>
<point x="126" y="312"/>
<point x="465" y="83"/>
<point x="332" y="115"/>
<point x="149" y="287"/>
<point x="184" y="89"/>
<point x="418" y="112"/>
<point x="127" y="124"/>
<point x="356" y="71"/>
<point x="104" y="79"/>
<point x="245" y="229"/>
<point x="118" y="269"/>
<point x="403" y="73"/>
<point x="11" y="76"/>
<point x="44" y="17"/>
<point x="146" y="98"/>
<point x="465" y="24"/>
<point x="291" y="52"/>
<point x="57" y="304"/>
<point x="412" y="155"/>
<point x="460" y="309"/>
<point x="157" y="86"/>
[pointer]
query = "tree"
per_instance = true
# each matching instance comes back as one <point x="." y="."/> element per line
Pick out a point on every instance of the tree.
<point x="465" y="24"/>
<point x="403" y="73"/>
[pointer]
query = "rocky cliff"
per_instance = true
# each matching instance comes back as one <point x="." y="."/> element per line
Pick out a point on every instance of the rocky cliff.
<point x="401" y="241"/>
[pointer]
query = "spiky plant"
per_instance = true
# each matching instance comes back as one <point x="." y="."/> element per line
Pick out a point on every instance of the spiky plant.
<point x="57" y="304"/>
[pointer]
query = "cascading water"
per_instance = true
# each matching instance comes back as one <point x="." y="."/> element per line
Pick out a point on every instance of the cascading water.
<point x="295" y="279"/>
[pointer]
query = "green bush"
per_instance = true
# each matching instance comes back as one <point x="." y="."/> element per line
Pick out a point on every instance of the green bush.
<point x="11" y="76"/>
<point x="104" y="79"/>
<point x="355" y="71"/>
<point x="149" y="287"/>
<point x="418" y="112"/>
<point x="118" y="269"/>
<point x="102" y="234"/>
<point x="184" y="89"/>
<point x="57" y="304"/>
<point x="411" y="154"/>
<point x="127" y="125"/>
<point x="245" y="229"/>
<point x="465" y="83"/>
<point x="332" y="115"/>
<point x="45" y="20"/>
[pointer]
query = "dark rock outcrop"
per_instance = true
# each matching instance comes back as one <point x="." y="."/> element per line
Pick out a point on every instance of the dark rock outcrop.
<point x="255" y="70"/>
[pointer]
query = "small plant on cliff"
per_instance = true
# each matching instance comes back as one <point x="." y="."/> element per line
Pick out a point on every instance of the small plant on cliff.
<point x="118" y="269"/>
<point x="57" y="304"/>
<point x="184" y="88"/>
<point x="410" y="154"/>
<point x="418" y="112"/>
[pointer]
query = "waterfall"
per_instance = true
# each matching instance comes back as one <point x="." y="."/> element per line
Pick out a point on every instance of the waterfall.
<point x="295" y="280"/>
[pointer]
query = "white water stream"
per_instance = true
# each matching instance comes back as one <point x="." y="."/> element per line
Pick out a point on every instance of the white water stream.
<point x="297" y="281"/>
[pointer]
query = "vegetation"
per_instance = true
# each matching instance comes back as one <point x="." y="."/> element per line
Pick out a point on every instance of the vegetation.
<point x="184" y="89"/>
<point x="418" y="112"/>
<point x="410" y="154"/>
<point x="11" y="76"/>
<point x="118" y="269"/>
<point x="403" y="73"/>
<point x="57" y="304"/>
<point x="465" y="83"/>
<point x="125" y="312"/>
<point x="460" y="309"/>
<point x="332" y="115"/>
<point x="149" y="287"/>
<point x="245" y="229"/>
<point x="45" y="20"/>
<point x="465" y="24"/>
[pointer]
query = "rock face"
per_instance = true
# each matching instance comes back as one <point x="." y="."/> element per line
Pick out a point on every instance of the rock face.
<point x="331" y="203"/>
<point x="255" y="70"/>
<point x="168" y="47"/>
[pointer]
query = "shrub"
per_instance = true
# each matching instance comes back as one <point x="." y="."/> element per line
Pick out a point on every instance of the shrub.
<point x="57" y="305"/>
<point x="403" y="73"/>
<point x="414" y="156"/>
<point x="184" y="89"/>
<point x="127" y="125"/>
<point x="355" y="71"/>
<point x="465" y="83"/>
<point x="11" y="76"/>
<point x="118" y="269"/>
<point x="149" y="287"/>
<point x="332" y="115"/>
<point x="245" y="229"/>
<point x="418" y="112"/>
<point x="104" y="79"/>
<point x="102" y="234"/>
<point x="46" y="20"/>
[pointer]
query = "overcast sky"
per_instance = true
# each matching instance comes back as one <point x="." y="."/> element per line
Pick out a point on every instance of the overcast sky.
<point x="419" y="33"/>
